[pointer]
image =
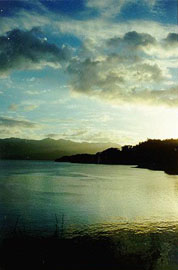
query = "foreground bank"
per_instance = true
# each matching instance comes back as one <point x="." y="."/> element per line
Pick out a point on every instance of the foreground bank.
<point x="117" y="250"/>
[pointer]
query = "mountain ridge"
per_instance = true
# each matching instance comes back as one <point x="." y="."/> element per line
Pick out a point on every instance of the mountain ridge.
<point x="47" y="148"/>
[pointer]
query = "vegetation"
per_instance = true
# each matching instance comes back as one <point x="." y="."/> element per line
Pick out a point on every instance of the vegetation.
<point x="151" y="154"/>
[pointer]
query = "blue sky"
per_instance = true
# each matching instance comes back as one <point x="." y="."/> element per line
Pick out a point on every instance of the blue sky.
<point x="89" y="70"/>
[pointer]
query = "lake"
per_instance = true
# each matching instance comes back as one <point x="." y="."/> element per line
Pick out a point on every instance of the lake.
<point x="135" y="209"/>
<point x="86" y="195"/>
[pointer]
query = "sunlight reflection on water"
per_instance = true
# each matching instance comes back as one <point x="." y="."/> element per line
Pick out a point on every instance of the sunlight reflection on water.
<point x="135" y="210"/>
<point x="95" y="197"/>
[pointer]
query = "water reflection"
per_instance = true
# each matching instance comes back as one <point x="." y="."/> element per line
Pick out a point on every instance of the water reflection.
<point x="85" y="194"/>
<point x="136" y="210"/>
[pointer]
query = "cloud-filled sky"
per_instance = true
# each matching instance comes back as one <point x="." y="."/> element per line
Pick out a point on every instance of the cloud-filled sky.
<point x="89" y="70"/>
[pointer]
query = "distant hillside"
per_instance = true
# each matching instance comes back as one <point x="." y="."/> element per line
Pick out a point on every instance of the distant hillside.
<point x="46" y="149"/>
<point x="152" y="154"/>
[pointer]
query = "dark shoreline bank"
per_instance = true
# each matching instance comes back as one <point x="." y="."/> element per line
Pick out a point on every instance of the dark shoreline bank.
<point x="152" y="154"/>
<point x="119" y="250"/>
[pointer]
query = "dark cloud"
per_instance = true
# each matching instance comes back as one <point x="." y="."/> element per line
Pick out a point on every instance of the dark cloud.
<point x="137" y="39"/>
<point x="84" y="74"/>
<point x="28" y="50"/>
<point x="132" y="39"/>
<point x="7" y="122"/>
<point x="172" y="39"/>
<point x="110" y="78"/>
<point x="127" y="69"/>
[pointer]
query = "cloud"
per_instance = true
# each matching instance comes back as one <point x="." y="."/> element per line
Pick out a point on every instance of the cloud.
<point x="117" y="62"/>
<point x="26" y="108"/>
<point x="162" y="47"/>
<point x="110" y="8"/>
<point x="167" y="97"/>
<point x="110" y="77"/>
<point x="33" y="92"/>
<point x="20" y="50"/>
<point x="25" y="19"/>
<point x="134" y="40"/>
<point x="97" y="27"/>
<point x="14" y="123"/>
<point x="171" y="42"/>
<point x="133" y="68"/>
<point x="94" y="135"/>
<point x="148" y="35"/>
<point x="37" y="92"/>
<point x="21" y="128"/>
<point x="73" y="133"/>
<point x="13" y="107"/>
<point x="36" y="14"/>
<point x="172" y="38"/>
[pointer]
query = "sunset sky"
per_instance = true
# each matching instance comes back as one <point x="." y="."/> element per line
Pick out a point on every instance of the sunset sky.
<point x="89" y="70"/>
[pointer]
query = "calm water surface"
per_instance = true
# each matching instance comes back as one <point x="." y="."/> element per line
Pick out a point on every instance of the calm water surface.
<point x="137" y="209"/>
<point x="86" y="195"/>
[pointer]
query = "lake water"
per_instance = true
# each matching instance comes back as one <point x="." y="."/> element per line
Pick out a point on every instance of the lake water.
<point x="137" y="209"/>
<point x="86" y="195"/>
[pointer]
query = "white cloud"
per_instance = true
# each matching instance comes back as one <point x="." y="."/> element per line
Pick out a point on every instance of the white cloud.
<point x="28" y="108"/>
<point x="111" y="8"/>
<point x="108" y="8"/>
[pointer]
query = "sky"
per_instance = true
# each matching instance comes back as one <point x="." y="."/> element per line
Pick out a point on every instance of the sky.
<point x="89" y="70"/>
